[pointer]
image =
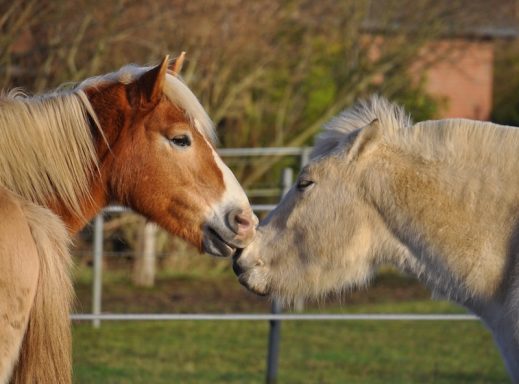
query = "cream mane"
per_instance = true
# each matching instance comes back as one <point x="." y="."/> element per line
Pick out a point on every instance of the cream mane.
<point x="449" y="139"/>
<point x="47" y="150"/>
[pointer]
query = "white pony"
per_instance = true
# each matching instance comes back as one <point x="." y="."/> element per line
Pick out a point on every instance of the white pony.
<point x="439" y="199"/>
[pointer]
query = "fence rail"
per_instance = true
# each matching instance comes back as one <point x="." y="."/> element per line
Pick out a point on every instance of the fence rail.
<point x="272" y="151"/>
<point x="122" y="209"/>
<point x="272" y="316"/>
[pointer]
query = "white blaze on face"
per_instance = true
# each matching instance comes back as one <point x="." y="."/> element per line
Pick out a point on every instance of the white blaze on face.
<point x="231" y="223"/>
<point x="234" y="195"/>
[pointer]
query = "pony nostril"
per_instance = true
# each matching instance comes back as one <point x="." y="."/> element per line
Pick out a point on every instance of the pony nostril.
<point x="242" y="220"/>
<point x="239" y="222"/>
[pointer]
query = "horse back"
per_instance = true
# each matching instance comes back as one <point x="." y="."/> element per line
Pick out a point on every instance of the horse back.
<point x="19" y="268"/>
<point x="35" y="294"/>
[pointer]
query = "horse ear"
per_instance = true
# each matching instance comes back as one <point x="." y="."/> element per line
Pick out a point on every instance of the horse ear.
<point x="151" y="83"/>
<point x="364" y="137"/>
<point x="176" y="64"/>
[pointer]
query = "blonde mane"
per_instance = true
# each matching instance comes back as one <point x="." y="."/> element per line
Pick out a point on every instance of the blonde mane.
<point x="453" y="140"/>
<point x="47" y="150"/>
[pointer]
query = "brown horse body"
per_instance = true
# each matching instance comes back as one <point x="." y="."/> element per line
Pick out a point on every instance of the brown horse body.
<point x="140" y="139"/>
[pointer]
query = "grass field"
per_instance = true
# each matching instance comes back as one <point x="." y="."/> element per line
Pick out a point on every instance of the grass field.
<point x="311" y="352"/>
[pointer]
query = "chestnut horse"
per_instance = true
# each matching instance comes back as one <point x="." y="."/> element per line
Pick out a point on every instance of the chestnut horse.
<point x="137" y="137"/>
<point x="438" y="199"/>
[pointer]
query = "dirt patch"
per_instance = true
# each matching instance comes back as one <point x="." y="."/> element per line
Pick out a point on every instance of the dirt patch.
<point x="222" y="294"/>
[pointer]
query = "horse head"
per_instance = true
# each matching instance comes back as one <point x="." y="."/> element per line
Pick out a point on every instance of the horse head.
<point x="156" y="155"/>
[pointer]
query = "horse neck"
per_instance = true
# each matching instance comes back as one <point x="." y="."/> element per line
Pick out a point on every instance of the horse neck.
<point x="106" y="132"/>
<point x="103" y="134"/>
<point x="426" y="206"/>
<point x="90" y="207"/>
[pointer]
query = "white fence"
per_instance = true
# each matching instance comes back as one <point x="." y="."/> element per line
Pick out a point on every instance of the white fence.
<point x="272" y="316"/>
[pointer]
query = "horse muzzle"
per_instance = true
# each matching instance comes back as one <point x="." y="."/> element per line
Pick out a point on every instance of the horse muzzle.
<point x="221" y="237"/>
<point x="251" y="277"/>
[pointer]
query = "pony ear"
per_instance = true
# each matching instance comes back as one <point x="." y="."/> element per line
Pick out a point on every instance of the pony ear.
<point x="151" y="83"/>
<point x="363" y="138"/>
<point x="176" y="64"/>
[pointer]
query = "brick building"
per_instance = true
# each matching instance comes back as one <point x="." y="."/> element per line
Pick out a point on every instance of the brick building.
<point x="463" y="52"/>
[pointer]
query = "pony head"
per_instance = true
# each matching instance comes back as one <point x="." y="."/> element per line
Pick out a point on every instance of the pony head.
<point x="155" y="146"/>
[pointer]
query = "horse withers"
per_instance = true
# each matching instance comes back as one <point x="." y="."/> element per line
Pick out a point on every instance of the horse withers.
<point x="438" y="199"/>
<point x="137" y="137"/>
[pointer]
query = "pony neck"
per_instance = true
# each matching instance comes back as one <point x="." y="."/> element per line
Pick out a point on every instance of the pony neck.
<point x="92" y="205"/>
<point x="96" y="195"/>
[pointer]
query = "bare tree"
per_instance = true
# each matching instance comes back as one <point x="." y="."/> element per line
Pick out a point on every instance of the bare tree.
<point x="270" y="73"/>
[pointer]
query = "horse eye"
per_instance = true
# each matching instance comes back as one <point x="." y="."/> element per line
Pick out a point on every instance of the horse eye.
<point x="303" y="184"/>
<point x="181" y="141"/>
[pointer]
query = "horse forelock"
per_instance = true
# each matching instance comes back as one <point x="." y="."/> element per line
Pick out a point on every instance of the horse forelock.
<point x="46" y="150"/>
<point x="179" y="93"/>
<point x="175" y="90"/>
<point x="390" y="115"/>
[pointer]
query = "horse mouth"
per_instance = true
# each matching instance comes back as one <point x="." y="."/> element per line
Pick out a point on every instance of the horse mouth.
<point x="237" y="269"/>
<point x="244" y="281"/>
<point x="243" y="275"/>
<point x="215" y="245"/>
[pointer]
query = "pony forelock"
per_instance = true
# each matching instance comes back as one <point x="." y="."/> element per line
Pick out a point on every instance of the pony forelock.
<point x="390" y="115"/>
<point x="179" y="93"/>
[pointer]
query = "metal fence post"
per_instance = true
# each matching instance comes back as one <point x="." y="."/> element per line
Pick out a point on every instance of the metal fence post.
<point x="299" y="304"/>
<point x="275" y="325"/>
<point x="273" y="351"/>
<point x="305" y="156"/>
<point x="98" y="268"/>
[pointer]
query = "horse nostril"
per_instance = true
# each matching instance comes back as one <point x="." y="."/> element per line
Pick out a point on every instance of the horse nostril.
<point x="238" y="221"/>
<point x="242" y="220"/>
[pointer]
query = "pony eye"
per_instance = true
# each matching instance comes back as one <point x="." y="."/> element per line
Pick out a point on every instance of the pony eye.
<point x="181" y="141"/>
<point x="303" y="184"/>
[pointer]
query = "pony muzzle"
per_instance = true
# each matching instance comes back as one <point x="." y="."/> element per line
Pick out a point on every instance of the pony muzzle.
<point x="252" y="276"/>
<point x="223" y="237"/>
<point x="243" y="223"/>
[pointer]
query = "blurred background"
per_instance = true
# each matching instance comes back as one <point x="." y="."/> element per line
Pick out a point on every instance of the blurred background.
<point x="270" y="74"/>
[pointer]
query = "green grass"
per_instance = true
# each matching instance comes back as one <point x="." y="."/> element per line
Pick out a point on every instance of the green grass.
<point x="311" y="352"/>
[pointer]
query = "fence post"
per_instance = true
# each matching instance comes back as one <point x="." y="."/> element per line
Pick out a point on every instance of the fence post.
<point x="273" y="351"/>
<point x="98" y="268"/>
<point x="275" y="325"/>
<point x="299" y="304"/>
<point x="305" y="156"/>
